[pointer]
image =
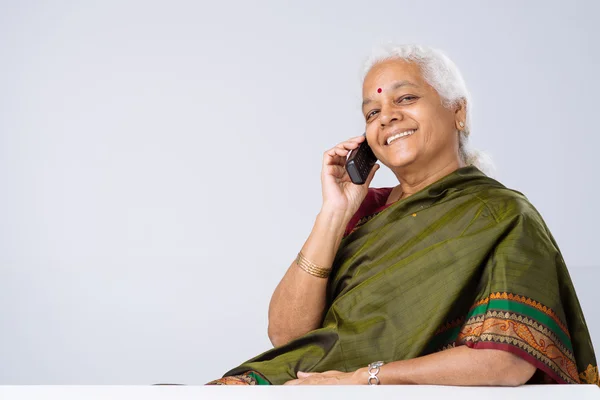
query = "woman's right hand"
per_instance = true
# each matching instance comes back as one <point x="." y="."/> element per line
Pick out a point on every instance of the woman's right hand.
<point x="340" y="194"/>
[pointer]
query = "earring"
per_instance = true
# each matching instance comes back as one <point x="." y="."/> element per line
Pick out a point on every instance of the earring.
<point x="462" y="124"/>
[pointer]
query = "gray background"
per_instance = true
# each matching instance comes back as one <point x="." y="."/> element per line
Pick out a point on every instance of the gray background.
<point x="160" y="162"/>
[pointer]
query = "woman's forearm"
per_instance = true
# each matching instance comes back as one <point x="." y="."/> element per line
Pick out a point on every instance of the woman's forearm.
<point x="458" y="366"/>
<point x="298" y="302"/>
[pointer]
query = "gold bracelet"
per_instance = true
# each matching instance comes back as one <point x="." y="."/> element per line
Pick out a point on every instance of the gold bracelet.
<point x="311" y="268"/>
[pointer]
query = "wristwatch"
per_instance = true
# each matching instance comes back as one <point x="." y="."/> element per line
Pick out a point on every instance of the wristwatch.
<point x="373" y="369"/>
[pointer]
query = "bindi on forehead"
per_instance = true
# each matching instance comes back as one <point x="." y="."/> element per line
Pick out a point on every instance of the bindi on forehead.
<point x="394" y="86"/>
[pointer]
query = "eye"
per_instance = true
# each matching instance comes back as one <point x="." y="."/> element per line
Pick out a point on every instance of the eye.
<point x="401" y="99"/>
<point x="371" y="114"/>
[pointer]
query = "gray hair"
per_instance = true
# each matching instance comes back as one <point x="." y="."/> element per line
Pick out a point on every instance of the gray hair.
<point x="443" y="75"/>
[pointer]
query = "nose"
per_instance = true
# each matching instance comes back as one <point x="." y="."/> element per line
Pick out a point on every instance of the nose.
<point x="386" y="120"/>
<point x="388" y="115"/>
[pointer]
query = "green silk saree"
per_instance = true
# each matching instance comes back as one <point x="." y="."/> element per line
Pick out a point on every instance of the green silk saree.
<point x="465" y="261"/>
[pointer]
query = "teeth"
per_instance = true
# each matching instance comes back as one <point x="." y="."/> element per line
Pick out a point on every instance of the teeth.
<point x="392" y="138"/>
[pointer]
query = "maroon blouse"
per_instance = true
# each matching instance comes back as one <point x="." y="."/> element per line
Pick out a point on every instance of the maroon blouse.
<point x="373" y="203"/>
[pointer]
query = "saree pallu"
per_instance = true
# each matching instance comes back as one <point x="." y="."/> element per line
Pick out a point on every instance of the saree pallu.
<point x="465" y="261"/>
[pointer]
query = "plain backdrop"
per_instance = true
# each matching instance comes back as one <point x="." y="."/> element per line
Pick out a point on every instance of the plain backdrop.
<point x="160" y="161"/>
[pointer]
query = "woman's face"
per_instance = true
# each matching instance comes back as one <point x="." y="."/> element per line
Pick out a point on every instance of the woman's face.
<point x="396" y="99"/>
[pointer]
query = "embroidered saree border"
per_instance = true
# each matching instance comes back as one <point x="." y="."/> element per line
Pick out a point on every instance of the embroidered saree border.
<point x="247" y="378"/>
<point x="545" y="324"/>
<point x="397" y="280"/>
<point x="524" y="300"/>
<point x="512" y="329"/>
<point x="591" y="375"/>
<point x="522" y="326"/>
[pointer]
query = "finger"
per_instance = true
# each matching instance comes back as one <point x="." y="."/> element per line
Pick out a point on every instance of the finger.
<point x="372" y="174"/>
<point x="335" y="170"/>
<point x="292" y="382"/>
<point x="336" y="160"/>
<point x="348" y="145"/>
<point x="331" y="158"/>
<point x="332" y="372"/>
<point x="334" y="157"/>
<point x="340" y="151"/>
<point x="334" y="151"/>
<point x="339" y="154"/>
<point x="309" y="381"/>
<point x="305" y="374"/>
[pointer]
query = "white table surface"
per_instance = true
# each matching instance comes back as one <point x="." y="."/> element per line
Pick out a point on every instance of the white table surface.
<point x="527" y="392"/>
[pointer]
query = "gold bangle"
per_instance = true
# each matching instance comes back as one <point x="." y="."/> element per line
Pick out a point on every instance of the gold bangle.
<point x="311" y="268"/>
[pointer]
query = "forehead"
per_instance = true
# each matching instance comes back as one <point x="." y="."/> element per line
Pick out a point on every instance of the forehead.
<point x="386" y="72"/>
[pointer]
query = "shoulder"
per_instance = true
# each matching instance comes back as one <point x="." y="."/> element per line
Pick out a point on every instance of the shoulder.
<point x="506" y="204"/>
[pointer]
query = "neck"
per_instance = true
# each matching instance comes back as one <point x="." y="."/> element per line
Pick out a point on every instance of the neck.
<point x="414" y="179"/>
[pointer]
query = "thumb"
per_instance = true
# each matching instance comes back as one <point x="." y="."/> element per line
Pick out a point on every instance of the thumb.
<point x="304" y="374"/>
<point x="372" y="174"/>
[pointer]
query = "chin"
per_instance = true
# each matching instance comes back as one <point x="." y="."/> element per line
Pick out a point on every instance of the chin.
<point x="402" y="160"/>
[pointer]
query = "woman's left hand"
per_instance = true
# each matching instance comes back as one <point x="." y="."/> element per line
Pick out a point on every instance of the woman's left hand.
<point x="324" y="378"/>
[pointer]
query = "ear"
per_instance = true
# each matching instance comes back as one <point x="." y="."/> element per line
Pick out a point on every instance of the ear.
<point x="460" y="114"/>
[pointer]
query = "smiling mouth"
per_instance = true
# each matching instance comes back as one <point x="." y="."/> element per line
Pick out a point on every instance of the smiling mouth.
<point x="403" y="135"/>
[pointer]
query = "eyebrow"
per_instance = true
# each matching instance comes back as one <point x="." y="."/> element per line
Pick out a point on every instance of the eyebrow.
<point x="395" y="86"/>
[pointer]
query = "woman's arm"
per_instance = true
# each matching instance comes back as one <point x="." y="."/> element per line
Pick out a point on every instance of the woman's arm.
<point x="458" y="366"/>
<point x="298" y="302"/>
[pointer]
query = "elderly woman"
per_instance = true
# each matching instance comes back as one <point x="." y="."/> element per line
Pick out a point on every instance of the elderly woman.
<point x="448" y="278"/>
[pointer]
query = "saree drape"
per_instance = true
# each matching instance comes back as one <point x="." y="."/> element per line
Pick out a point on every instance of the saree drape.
<point x="466" y="261"/>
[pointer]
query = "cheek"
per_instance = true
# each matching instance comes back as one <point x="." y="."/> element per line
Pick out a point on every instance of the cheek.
<point x="434" y="130"/>
<point x="371" y="126"/>
<point x="371" y="130"/>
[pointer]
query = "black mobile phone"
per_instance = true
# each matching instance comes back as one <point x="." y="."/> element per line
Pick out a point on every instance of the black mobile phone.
<point x="360" y="161"/>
